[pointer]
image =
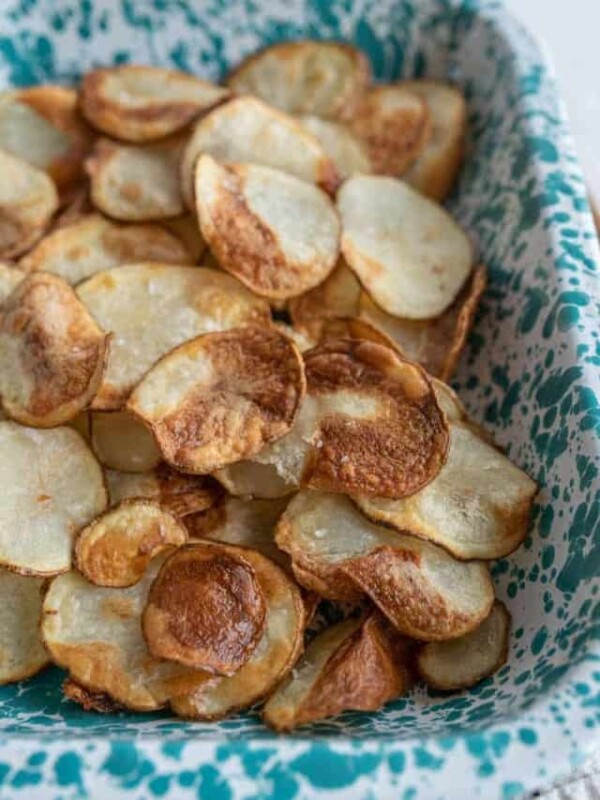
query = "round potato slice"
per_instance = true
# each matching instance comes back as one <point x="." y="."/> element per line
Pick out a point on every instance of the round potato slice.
<point x="53" y="486"/>
<point x="92" y="244"/>
<point x="275" y="653"/>
<point x="337" y="296"/>
<point x="121" y="442"/>
<point x="326" y="79"/>
<point x="408" y="253"/>
<point x="253" y="479"/>
<point x="10" y="278"/>
<point x="422" y="590"/>
<point x="357" y="664"/>
<point x="142" y="103"/>
<point x="52" y="353"/>
<point x="463" y="662"/>
<point x="152" y="308"/>
<point x="229" y="394"/>
<point x="117" y="547"/>
<point x="345" y="150"/>
<point x="277" y="234"/>
<point x="88" y="700"/>
<point x="136" y="184"/>
<point x="22" y="653"/>
<point x="28" y="199"/>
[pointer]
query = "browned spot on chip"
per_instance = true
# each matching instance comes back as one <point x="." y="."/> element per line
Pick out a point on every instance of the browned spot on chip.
<point x="89" y="700"/>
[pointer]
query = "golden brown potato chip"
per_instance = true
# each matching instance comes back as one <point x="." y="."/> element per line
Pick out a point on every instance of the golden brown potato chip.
<point x="92" y="244"/>
<point x="142" y="103"/>
<point x="52" y="353"/>
<point x="278" y="234"/>
<point x="121" y="442"/>
<point x="116" y="548"/>
<point x="358" y="328"/>
<point x="187" y="230"/>
<point x="152" y="308"/>
<point x="301" y="339"/>
<point x="337" y="296"/>
<point x="345" y="150"/>
<point x="82" y="424"/>
<point x="463" y="662"/>
<point x="326" y="79"/>
<point x="10" y="278"/>
<point x="253" y="479"/>
<point x="88" y="700"/>
<point x="22" y="653"/>
<point x="358" y="664"/>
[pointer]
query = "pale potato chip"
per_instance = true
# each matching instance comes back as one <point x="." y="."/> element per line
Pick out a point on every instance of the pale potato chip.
<point x="221" y="397"/>
<point x="422" y="590"/>
<point x="275" y="654"/>
<point x="345" y="150"/>
<point x="121" y="442"/>
<point x="478" y="507"/>
<point x="151" y="308"/>
<point x="10" y="278"/>
<point x="136" y="184"/>
<point x="358" y="664"/>
<point x="408" y="253"/>
<point x="326" y="79"/>
<point x="254" y="479"/>
<point x="116" y="548"/>
<point x="28" y="199"/>
<point x="187" y="230"/>
<point x="461" y="663"/>
<point x="143" y="103"/>
<point x="53" y="486"/>
<point x="246" y="130"/>
<point x="52" y="353"/>
<point x="93" y="244"/>
<point x="89" y="700"/>
<point x="337" y="296"/>
<point x="278" y="234"/>
<point x="22" y="653"/>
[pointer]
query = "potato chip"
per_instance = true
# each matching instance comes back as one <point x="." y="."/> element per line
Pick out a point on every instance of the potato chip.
<point x="121" y="442"/>
<point x="142" y="103"/>
<point x="357" y="664"/>
<point x="45" y="505"/>
<point x="136" y="184"/>
<point x="10" y="278"/>
<point x="326" y="79"/>
<point x="116" y="548"/>
<point x="151" y="308"/>
<point x="52" y="353"/>
<point x="277" y="234"/>
<point x="28" y="199"/>
<point x="358" y="328"/>
<point x="92" y="244"/>
<point x="206" y="609"/>
<point x="22" y="653"/>
<point x="422" y="590"/>
<point x="345" y="150"/>
<point x="274" y="655"/>
<point x="253" y="479"/>
<point x="82" y="424"/>
<point x="75" y="204"/>
<point x="188" y="232"/>
<point x="302" y="340"/>
<point x="337" y="296"/>
<point x="88" y="700"/>
<point x="463" y="662"/>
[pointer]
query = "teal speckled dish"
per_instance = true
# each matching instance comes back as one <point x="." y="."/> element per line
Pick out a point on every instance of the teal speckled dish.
<point x="531" y="373"/>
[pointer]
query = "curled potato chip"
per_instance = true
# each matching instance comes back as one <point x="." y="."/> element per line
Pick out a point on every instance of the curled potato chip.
<point x="52" y="486"/>
<point x="142" y="103"/>
<point x="275" y="653"/>
<point x="136" y="184"/>
<point x="337" y="296"/>
<point x="230" y="393"/>
<point x="326" y="79"/>
<point x="88" y="700"/>
<point x="22" y="653"/>
<point x="393" y="125"/>
<point x="121" y="442"/>
<point x="253" y="479"/>
<point x="151" y="308"/>
<point x="10" y="278"/>
<point x="28" y="199"/>
<point x="116" y="548"/>
<point x="188" y="232"/>
<point x="279" y="235"/>
<point x="206" y="609"/>
<point x="345" y="150"/>
<point x="408" y="253"/>
<point x="92" y="244"/>
<point x="357" y="664"/>
<point x="463" y="662"/>
<point x="52" y="353"/>
<point x="422" y="590"/>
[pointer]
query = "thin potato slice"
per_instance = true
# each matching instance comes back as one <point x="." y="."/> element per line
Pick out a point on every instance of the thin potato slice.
<point x="88" y="700"/>
<point x="28" y="199"/>
<point x="326" y="79"/>
<point x="142" y="103"/>
<point x="422" y="590"/>
<point x="121" y="442"/>
<point x="337" y="296"/>
<point x="92" y="244"/>
<point x="117" y="547"/>
<point x="152" y="308"/>
<point x="52" y="486"/>
<point x="345" y="150"/>
<point x="478" y="507"/>
<point x="10" y="278"/>
<point x="206" y="609"/>
<point x="229" y="394"/>
<point x="136" y="184"/>
<point x="188" y="232"/>
<point x="279" y="235"/>
<point x="408" y="253"/>
<point x="52" y="353"/>
<point x="253" y="479"/>
<point x="356" y="664"/>
<point x="22" y="653"/>
<point x="463" y="662"/>
<point x="274" y="655"/>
